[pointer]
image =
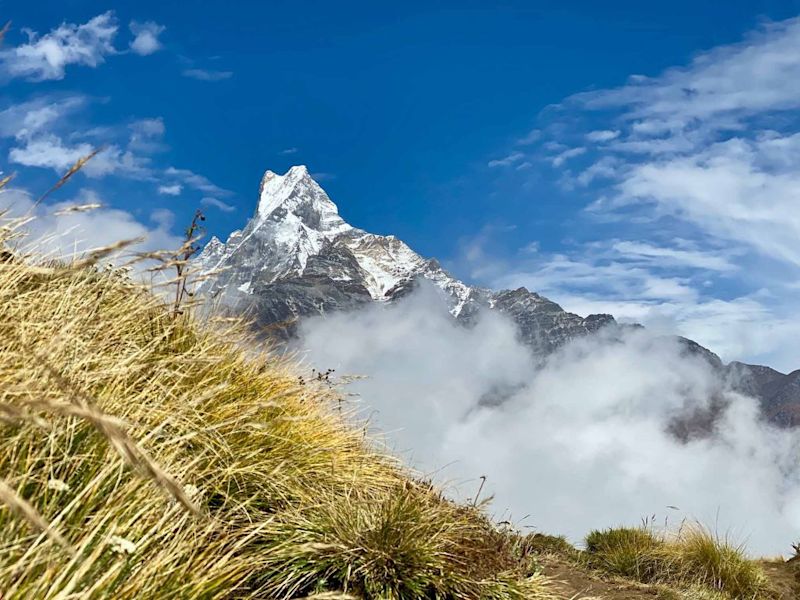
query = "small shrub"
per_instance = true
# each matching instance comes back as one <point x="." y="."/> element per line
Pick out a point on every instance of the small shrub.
<point x="628" y="552"/>
<point x="699" y="563"/>
<point x="540" y="543"/>
<point x="715" y="563"/>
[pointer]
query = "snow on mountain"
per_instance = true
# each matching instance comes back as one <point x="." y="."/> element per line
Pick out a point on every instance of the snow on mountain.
<point x="295" y="220"/>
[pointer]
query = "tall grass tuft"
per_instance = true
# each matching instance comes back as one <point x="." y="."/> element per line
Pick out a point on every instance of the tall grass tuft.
<point x="694" y="559"/>
<point x="143" y="455"/>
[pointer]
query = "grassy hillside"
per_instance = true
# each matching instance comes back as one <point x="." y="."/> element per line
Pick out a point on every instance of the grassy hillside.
<point x="143" y="456"/>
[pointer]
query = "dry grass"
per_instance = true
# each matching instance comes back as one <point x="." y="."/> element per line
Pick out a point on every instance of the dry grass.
<point x="144" y="456"/>
<point x="695" y="560"/>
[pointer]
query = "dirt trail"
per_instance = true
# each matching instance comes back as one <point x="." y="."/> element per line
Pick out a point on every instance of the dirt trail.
<point x="571" y="581"/>
<point x="785" y="577"/>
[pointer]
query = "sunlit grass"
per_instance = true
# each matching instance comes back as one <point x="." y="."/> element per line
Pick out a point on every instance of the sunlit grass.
<point x="144" y="455"/>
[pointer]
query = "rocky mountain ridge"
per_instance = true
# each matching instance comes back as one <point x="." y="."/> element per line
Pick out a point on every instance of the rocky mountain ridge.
<point x="297" y="257"/>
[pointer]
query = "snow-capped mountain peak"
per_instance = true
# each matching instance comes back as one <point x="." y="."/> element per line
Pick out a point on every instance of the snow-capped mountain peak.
<point x="296" y="194"/>
<point x="297" y="256"/>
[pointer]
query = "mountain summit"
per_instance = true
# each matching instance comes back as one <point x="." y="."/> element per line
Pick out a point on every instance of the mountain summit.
<point x="297" y="257"/>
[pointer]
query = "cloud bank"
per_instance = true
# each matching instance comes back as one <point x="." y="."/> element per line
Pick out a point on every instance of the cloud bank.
<point x="584" y="443"/>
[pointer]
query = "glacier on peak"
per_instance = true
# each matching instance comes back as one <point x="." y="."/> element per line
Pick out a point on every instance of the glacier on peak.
<point x="297" y="194"/>
<point x="295" y="219"/>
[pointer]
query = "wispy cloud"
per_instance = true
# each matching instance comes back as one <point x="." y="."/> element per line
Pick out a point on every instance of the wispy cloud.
<point x="26" y="119"/>
<point x="719" y="89"/>
<point x="146" y="135"/>
<point x="291" y="150"/>
<point x="218" y="204"/>
<point x="603" y="135"/>
<point x="207" y="75"/>
<point x="46" y="57"/>
<point x="145" y="41"/>
<point x="197" y="182"/>
<point x="61" y="233"/>
<point x="174" y="189"/>
<point x="564" y="156"/>
<point x="51" y="152"/>
<point x="507" y="160"/>
<point x="42" y="139"/>
<point x="533" y="136"/>
<point x="321" y="176"/>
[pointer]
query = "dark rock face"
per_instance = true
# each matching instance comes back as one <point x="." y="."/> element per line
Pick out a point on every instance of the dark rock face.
<point x="779" y="394"/>
<point x="297" y="257"/>
<point x="543" y="324"/>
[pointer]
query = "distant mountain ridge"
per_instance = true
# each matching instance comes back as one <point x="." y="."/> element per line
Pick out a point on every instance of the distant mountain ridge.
<point x="296" y="257"/>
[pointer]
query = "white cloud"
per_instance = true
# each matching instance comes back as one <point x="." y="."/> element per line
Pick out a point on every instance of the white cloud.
<point x="196" y="181"/>
<point x="46" y="136"/>
<point x="46" y="57"/>
<point x="552" y="275"/>
<point x="51" y="152"/>
<point x="734" y="190"/>
<point x="146" y="34"/>
<point x="146" y="135"/>
<point x="743" y="328"/>
<point x="510" y="159"/>
<point x="59" y="233"/>
<point x="291" y="150"/>
<point x="583" y="443"/>
<point x="207" y="75"/>
<point x="533" y="136"/>
<point x="564" y="156"/>
<point x="218" y="204"/>
<point x="320" y="176"/>
<point x="26" y="119"/>
<point x="668" y="288"/>
<point x="724" y="85"/>
<point x="604" y="168"/>
<point x="602" y="135"/>
<point x="664" y="256"/>
<point x="174" y="189"/>
<point x="149" y="127"/>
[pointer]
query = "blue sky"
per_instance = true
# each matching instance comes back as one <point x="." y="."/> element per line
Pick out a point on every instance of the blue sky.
<point x="626" y="157"/>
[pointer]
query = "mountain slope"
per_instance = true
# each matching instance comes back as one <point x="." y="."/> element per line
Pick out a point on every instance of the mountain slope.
<point x="296" y="257"/>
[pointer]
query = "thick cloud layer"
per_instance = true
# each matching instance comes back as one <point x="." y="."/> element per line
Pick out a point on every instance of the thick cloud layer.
<point x="584" y="443"/>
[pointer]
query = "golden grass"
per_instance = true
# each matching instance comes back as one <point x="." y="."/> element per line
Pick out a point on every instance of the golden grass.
<point x="143" y="455"/>
<point x="695" y="560"/>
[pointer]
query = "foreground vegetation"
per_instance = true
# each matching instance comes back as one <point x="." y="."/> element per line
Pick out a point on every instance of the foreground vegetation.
<point x="143" y="456"/>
